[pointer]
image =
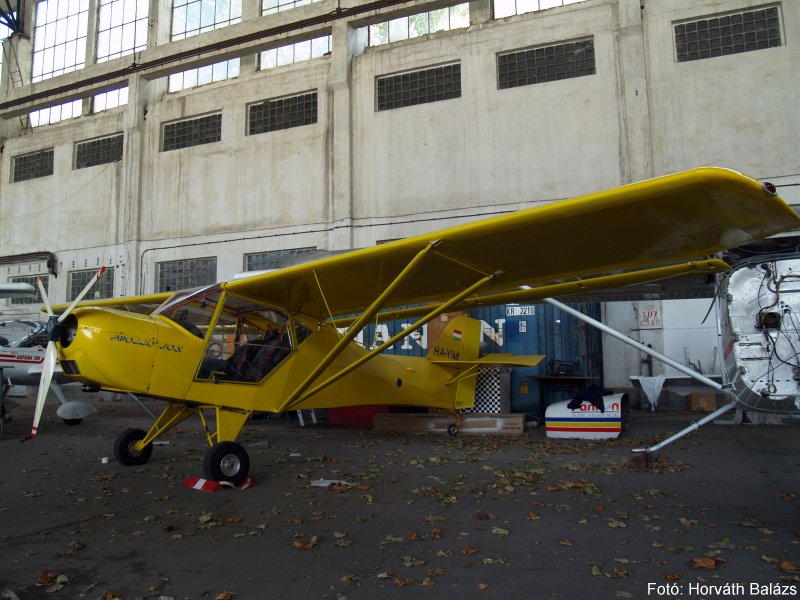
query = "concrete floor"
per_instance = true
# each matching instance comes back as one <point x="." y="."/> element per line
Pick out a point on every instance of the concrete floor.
<point x="416" y="515"/>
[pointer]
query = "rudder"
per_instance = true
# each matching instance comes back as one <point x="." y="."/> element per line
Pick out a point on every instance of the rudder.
<point x="460" y="341"/>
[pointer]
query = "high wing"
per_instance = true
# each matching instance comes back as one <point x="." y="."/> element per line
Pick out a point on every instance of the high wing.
<point x="615" y="236"/>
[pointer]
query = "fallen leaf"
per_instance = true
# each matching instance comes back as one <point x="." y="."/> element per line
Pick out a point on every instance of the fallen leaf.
<point x="410" y="561"/>
<point x="565" y="542"/>
<point x="226" y="596"/>
<point x="787" y="566"/>
<point x="615" y="524"/>
<point x="501" y="532"/>
<point x="468" y="551"/>
<point x="704" y="562"/>
<point x="673" y="576"/>
<point x="305" y="545"/>
<point x="619" y="573"/>
<point x="483" y="516"/>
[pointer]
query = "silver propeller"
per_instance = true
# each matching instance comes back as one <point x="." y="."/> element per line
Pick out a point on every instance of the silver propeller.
<point x="51" y="352"/>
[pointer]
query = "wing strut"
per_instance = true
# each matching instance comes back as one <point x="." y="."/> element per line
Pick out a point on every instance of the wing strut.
<point x="359" y="323"/>
<point x="298" y="396"/>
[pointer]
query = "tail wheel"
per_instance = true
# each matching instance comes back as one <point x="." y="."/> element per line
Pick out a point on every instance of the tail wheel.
<point x="124" y="448"/>
<point x="227" y="461"/>
<point x="452" y="429"/>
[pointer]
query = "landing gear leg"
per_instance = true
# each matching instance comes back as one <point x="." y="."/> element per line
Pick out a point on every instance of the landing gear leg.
<point x="125" y="448"/>
<point x="454" y="428"/>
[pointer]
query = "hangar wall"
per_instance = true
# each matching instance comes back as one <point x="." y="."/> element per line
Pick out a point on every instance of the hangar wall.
<point x="357" y="175"/>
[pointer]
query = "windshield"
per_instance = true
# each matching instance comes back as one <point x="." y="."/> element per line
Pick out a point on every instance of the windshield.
<point x="192" y="309"/>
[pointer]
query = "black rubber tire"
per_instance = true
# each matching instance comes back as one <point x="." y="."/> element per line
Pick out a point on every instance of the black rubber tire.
<point x="227" y="461"/>
<point x="123" y="448"/>
<point x="452" y="429"/>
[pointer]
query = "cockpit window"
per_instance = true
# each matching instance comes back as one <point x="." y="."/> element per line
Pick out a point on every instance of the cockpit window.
<point x="247" y="342"/>
<point x="192" y="310"/>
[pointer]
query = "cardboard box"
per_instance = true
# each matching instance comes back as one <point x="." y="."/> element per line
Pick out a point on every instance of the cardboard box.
<point x="491" y="424"/>
<point x="704" y="401"/>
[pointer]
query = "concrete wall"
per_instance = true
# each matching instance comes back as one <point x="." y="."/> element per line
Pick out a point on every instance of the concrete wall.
<point x="359" y="176"/>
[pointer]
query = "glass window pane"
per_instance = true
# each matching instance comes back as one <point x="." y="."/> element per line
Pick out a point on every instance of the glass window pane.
<point x="398" y="29"/>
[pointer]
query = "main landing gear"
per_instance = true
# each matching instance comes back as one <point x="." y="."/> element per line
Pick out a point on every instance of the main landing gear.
<point x="225" y="461"/>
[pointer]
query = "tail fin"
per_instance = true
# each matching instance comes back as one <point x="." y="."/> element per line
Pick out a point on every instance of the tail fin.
<point x="459" y="342"/>
<point x="456" y="350"/>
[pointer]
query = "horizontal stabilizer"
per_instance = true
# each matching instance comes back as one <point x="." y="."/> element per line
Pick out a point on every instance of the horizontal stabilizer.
<point x="505" y="360"/>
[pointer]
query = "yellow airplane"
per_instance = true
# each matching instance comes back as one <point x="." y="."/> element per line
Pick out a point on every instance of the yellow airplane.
<point x="274" y="342"/>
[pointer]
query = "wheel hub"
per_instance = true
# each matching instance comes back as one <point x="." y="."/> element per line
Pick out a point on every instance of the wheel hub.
<point x="230" y="465"/>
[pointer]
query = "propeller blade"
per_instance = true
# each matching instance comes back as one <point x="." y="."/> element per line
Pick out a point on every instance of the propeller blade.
<point x="80" y="296"/>
<point x="49" y="365"/>
<point x="43" y="294"/>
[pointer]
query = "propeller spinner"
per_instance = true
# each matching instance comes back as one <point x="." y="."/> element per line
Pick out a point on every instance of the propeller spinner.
<point x="51" y="352"/>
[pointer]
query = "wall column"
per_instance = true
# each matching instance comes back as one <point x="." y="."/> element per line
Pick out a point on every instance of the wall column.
<point x="347" y="43"/>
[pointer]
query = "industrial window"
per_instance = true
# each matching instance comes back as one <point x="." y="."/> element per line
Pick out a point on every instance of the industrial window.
<point x="31" y="166"/>
<point x="192" y="132"/>
<point x="122" y="28"/>
<point x="193" y="17"/>
<point x="506" y="8"/>
<point x="729" y="34"/>
<point x="220" y="71"/>
<point x="419" y="87"/>
<point x="282" y="113"/>
<point x="98" y="151"/>
<point x="292" y="53"/>
<point x="59" y="46"/>
<point x="110" y="99"/>
<point x="30" y="281"/>
<point x="547" y="63"/>
<point x="404" y="28"/>
<point x="104" y="288"/>
<point x="176" y="275"/>
<point x="59" y="38"/>
<point x="273" y="6"/>
<point x="265" y="261"/>
<point x="55" y="114"/>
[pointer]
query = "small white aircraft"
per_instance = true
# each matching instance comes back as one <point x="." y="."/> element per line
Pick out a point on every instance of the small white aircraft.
<point x="22" y="353"/>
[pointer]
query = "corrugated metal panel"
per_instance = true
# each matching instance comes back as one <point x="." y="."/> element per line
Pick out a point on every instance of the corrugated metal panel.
<point x="413" y="345"/>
